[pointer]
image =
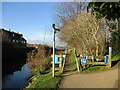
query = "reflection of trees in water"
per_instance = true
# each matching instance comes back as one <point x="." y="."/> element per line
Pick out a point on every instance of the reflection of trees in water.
<point x="10" y="67"/>
<point x="13" y="59"/>
<point x="18" y="79"/>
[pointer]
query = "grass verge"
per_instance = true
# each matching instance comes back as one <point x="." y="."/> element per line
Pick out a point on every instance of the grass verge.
<point x="116" y="60"/>
<point x="116" y="57"/>
<point x="93" y="69"/>
<point x="72" y="61"/>
<point x="44" y="81"/>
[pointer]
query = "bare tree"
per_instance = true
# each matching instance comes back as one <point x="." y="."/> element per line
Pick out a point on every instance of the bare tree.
<point x="68" y="10"/>
<point x="39" y="59"/>
<point x="85" y="33"/>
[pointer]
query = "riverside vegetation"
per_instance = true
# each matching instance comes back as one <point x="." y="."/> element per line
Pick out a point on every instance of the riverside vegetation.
<point x="39" y="63"/>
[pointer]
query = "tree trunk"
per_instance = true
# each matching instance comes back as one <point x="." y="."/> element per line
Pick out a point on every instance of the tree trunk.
<point x="97" y="48"/>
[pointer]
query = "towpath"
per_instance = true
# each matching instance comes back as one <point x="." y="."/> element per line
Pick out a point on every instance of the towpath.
<point x="103" y="79"/>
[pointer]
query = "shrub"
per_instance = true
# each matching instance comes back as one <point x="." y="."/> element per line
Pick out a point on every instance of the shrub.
<point x="39" y="59"/>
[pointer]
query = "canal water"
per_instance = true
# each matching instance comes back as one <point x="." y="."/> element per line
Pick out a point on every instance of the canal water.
<point x="16" y="79"/>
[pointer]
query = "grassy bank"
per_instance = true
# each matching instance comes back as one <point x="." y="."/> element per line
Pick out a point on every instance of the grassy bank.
<point x="116" y="60"/>
<point x="40" y="66"/>
<point x="116" y="57"/>
<point x="44" y="81"/>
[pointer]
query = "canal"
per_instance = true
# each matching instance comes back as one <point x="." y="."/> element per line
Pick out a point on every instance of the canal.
<point x="15" y="74"/>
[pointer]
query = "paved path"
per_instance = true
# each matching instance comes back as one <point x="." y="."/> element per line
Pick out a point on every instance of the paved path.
<point x="105" y="79"/>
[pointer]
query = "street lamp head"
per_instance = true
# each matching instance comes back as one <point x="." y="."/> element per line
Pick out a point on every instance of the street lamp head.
<point x="53" y="25"/>
<point x="56" y="30"/>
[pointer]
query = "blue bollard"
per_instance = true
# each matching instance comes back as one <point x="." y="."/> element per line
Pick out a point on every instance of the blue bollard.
<point x="105" y="59"/>
<point x="83" y="61"/>
<point x="56" y="59"/>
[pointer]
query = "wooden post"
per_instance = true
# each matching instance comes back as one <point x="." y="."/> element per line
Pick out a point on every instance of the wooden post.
<point x="86" y="59"/>
<point x="74" y="51"/>
<point x="81" y="68"/>
<point x="97" y="59"/>
<point x="109" y="58"/>
<point x="92" y="58"/>
<point x="77" y="63"/>
<point x="63" y="64"/>
<point x="60" y="62"/>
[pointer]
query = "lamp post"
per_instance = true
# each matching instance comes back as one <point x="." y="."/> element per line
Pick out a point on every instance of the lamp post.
<point x="53" y="64"/>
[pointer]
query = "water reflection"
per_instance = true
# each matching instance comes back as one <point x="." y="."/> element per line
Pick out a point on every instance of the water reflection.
<point x="18" y="79"/>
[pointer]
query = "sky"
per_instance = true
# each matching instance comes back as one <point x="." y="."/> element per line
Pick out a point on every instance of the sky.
<point x="31" y="19"/>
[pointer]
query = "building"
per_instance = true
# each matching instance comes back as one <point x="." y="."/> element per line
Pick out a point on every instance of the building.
<point x="13" y="38"/>
<point x="33" y="45"/>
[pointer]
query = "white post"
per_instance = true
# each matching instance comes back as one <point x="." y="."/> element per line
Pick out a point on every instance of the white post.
<point x="77" y="64"/>
<point x="53" y="64"/>
<point x="109" y="58"/>
<point x="74" y="51"/>
<point x="63" y="64"/>
<point x="64" y="60"/>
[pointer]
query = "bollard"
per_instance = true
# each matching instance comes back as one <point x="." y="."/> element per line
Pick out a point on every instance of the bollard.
<point x="56" y="59"/>
<point x="105" y="60"/>
<point x="109" y="58"/>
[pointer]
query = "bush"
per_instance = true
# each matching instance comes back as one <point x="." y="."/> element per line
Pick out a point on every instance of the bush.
<point x="39" y="59"/>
